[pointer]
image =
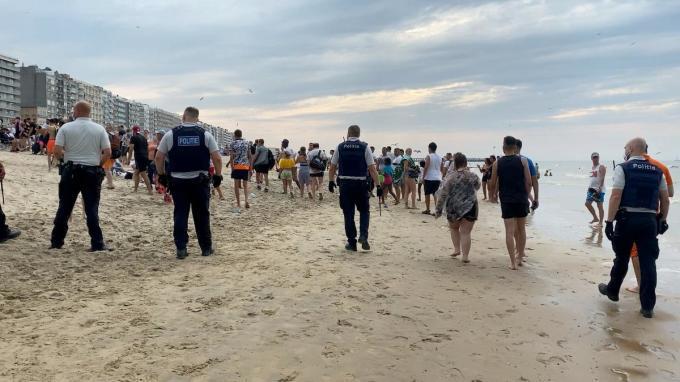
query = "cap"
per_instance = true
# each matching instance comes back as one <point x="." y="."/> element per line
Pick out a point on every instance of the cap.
<point x="135" y="129"/>
<point x="593" y="155"/>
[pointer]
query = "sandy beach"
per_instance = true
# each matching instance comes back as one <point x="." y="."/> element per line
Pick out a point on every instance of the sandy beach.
<point x="282" y="301"/>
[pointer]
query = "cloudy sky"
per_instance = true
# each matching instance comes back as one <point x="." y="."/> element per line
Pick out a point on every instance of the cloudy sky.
<point x="569" y="77"/>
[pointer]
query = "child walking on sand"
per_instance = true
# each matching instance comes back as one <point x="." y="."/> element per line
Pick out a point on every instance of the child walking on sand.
<point x="388" y="173"/>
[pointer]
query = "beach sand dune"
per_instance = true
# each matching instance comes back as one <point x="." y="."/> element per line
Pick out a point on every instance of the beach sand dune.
<point x="281" y="300"/>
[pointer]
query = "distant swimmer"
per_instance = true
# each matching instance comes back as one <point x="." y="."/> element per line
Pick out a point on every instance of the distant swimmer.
<point x="596" y="189"/>
<point x="512" y="180"/>
<point x="639" y="204"/>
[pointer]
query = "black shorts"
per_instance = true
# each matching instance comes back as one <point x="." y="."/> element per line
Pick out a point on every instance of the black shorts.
<point x="473" y="214"/>
<point x="262" y="168"/>
<point x="317" y="175"/>
<point x="514" y="210"/>
<point x="240" y="174"/>
<point x="141" y="163"/>
<point x="431" y="186"/>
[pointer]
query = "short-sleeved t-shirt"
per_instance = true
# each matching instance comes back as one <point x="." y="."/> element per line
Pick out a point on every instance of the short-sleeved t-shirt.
<point x="532" y="167"/>
<point x="166" y="145"/>
<point x="140" y="146"/>
<point x="664" y="169"/>
<point x="83" y="141"/>
<point x="239" y="152"/>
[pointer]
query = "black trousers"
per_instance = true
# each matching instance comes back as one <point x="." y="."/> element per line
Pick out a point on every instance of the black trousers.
<point x="4" y="229"/>
<point x="85" y="180"/>
<point x="354" y="195"/>
<point x="192" y="194"/>
<point x="639" y="229"/>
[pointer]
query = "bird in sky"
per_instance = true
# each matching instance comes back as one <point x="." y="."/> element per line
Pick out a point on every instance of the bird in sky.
<point x="251" y="91"/>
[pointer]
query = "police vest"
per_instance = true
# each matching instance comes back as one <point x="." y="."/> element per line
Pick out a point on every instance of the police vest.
<point x="188" y="152"/>
<point x="642" y="185"/>
<point x="352" y="160"/>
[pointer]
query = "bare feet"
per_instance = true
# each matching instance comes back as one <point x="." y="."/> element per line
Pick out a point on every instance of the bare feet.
<point x="595" y="220"/>
<point x="633" y="289"/>
<point x="465" y="260"/>
<point x="247" y="205"/>
<point x="455" y="254"/>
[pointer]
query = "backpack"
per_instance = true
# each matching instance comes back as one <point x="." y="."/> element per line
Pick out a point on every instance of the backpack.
<point x="115" y="146"/>
<point x="271" y="161"/>
<point x="317" y="163"/>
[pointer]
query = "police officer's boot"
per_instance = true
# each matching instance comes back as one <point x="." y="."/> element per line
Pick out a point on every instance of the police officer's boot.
<point x="182" y="254"/>
<point x="647" y="313"/>
<point x="364" y="244"/>
<point x="351" y="247"/>
<point x="604" y="289"/>
<point x="207" y="252"/>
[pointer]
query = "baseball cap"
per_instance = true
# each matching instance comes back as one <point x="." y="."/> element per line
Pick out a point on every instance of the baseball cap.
<point x="135" y="129"/>
<point x="595" y="154"/>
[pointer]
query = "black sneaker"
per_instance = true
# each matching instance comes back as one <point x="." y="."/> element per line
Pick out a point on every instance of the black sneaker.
<point x="605" y="291"/>
<point x="207" y="252"/>
<point x="647" y="313"/>
<point x="364" y="244"/>
<point x="54" y="246"/>
<point x="182" y="254"/>
<point x="351" y="247"/>
<point x="10" y="234"/>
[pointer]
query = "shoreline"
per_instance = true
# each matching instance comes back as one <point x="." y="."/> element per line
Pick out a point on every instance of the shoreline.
<point x="281" y="300"/>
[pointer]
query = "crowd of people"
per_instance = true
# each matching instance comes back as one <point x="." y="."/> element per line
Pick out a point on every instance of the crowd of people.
<point x="185" y="166"/>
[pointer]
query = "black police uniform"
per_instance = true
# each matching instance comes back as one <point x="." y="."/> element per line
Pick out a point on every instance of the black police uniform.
<point x="79" y="179"/>
<point x="641" y="191"/>
<point x="190" y="154"/>
<point x="352" y="170"/>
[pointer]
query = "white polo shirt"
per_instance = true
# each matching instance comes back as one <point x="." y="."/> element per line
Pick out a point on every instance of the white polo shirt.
<point x="83" y="142"/>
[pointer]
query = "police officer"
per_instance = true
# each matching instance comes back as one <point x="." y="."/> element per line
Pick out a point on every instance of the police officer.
<point x="353" y="161"/>
<point x="189" y="149"/>
<point x="84" y="146"/>
<point x="639" y="191"/>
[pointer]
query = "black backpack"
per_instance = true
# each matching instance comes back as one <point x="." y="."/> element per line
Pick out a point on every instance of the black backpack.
<point x="317" y="163"/>
<point x="270" y="159"/>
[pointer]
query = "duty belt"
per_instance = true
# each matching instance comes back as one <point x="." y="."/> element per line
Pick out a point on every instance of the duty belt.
<point x="343" y="177"/>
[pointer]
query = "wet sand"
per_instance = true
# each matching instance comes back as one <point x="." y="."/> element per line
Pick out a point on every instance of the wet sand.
<point x="281" y="300"/>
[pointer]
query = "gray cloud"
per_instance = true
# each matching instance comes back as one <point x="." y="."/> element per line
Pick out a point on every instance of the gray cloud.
<point x="538" y="68"/>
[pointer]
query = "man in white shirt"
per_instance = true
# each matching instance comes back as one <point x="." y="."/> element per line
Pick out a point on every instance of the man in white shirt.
<point x="596" y="189"/>
<point x="84" y="147"/>
<point x="434" y="167"/>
